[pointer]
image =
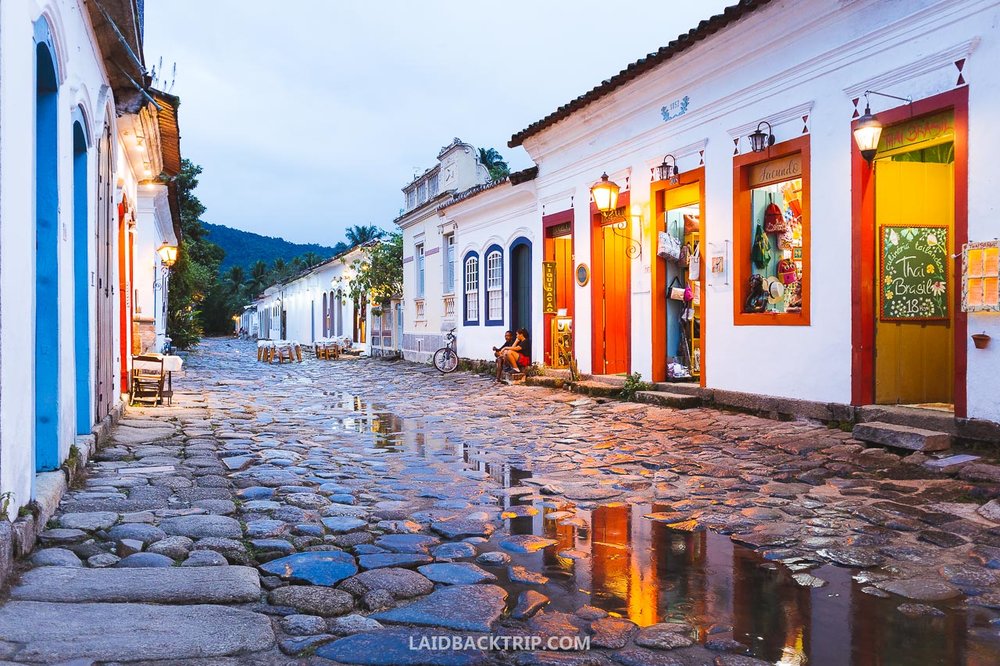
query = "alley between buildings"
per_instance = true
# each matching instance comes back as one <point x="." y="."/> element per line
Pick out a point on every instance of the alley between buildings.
<point x="342" y="510"/>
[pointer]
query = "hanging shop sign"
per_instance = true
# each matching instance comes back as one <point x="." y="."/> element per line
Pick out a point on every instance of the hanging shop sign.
<point x="561" y="229"/>
<point x="549" y="287"/>
<point x="913" y="272"/>
<point x="776" y="171"/>
<point x="981" y="277"/>
<point x="934" y="128"/>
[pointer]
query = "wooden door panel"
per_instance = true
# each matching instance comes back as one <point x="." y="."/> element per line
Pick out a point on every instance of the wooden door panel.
<point x="914" y="360"/>
<point x="615" y="283"/>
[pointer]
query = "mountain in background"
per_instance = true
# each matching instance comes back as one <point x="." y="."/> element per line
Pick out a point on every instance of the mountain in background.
<point x="243" y="248"/>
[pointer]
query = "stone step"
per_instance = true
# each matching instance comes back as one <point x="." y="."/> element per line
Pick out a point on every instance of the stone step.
<point x="169" y="585"/>
<point x="902" y="437"/>
<point x="664" y="399"/>
<point x="33" y="631"/>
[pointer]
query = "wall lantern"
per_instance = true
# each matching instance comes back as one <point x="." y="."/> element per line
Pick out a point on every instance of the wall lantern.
<point x="605" y="193"/>
<point x="869" y="130"/>
<point x="759" y="141"/>
<point x="168" y="254"/>
<point x="668" y="171"/>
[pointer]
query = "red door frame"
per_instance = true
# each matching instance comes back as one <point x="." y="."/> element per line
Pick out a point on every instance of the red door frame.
<point x="863" y="240"/>
<point x="658" y="273"/>
<point x="597" y="269"/>
<point x="124" y="294"/>
<point x="549" y="221"/>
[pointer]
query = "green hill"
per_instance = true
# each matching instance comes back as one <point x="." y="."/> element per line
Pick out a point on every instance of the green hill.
<point x="243" y="248"/>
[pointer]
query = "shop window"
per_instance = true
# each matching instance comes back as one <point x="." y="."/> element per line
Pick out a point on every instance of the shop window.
<point x="494" y="287"/>
<point x="472" y="289"/>
<point x="771" y="218"/>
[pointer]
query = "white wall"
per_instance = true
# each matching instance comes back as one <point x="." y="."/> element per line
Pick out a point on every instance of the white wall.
<point x="805" y="58"/>
<point x="82" y="82"/>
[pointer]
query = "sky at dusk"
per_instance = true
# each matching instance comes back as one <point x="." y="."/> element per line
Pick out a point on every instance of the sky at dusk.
<point x="309" y="116"/>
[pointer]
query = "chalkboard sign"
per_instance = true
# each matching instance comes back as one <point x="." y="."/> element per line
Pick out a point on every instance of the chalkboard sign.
<point x="913" y="271"/>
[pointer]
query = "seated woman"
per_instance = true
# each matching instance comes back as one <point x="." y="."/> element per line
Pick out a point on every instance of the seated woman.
<point x="519" y="353"/>
<point x="501" y="352"/>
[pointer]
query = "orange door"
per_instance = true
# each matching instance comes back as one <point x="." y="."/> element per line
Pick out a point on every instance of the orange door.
<point x="611" y="285"/>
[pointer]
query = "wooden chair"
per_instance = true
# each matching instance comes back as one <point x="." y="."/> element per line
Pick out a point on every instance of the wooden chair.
<point x="147" y="380"/>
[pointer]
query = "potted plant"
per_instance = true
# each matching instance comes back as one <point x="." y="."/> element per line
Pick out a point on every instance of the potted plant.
<point x="981" y="340"/>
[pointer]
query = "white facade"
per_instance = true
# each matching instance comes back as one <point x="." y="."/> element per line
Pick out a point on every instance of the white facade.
<point x="429" y="304"/>
<point x="315" y="305"/>
<point x="805" y="77"/>
<point x="69" y="185"/>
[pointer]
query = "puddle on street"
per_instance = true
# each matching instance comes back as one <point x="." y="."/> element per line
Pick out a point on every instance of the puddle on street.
<point x="612" y="557"/>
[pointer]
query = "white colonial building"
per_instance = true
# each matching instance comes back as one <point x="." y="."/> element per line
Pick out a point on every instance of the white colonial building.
<point x="314" y="305"/>
<point x="737" y="139"/>
<point x="87" y="151"/>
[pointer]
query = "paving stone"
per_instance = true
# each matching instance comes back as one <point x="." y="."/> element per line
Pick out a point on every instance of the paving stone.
<point x="205" y="558"/>
<point x="304" y="644"/>
<point x="493" y="559"/>
<point x="459" y="607"/>
<point x="144" y="560"/>
<point x="175" y="547"/>
<point x="665" y="636"/>
<point x="303" y="625"/>
<point x="317" y="568"/>
<point x="145" y="534"/>
<point x="379" y="560"/>
<point x="611" y="632"/>
<point x="122" y="631"/>
<point x="456" y="573"/>
<point x="61" y="536"/>
<point x="525" y="543"/>
<point x="401" y="583"/>
<point x="221" y="507"/>
<point x="342" y="524"/>
<point x="921" y="589"/>
<point x="529" y="602"/>
<point x="519" y="574"/>
<point x="352" y="624"/>
<point x="89" y="521"/>
<point x="454" y="551"/>
<point x="903" y="437"/>
<point x="102" y="560"/>
<point x="170" y="585"/>
<point x="56" y="557"/>
<point x="407" y="543"/>
<point x="202" y="526"/>
<point x="459" y="529"/>
<point x="313" y="600"/>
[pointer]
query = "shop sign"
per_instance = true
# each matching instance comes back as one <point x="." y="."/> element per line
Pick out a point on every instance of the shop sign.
<point x="913" y="273"/>
<point x="675" y="109"/>
<point x="921" y="130"/>
<point x="561" y="229"/>
<point x="981" y="277"/>
<point x="776" y="171"/>
<point x="549" y="287"/>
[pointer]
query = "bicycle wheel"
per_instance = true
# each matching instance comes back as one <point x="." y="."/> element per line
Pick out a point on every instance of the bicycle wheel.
<point x="445" y="359"/>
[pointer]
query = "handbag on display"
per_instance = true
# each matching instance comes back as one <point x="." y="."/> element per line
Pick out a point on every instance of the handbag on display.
<point x="685" y="257"/>
<point x="774" y="218"/>
<point x="757" y="300"/>
<point x="696" y="300"/>
<point x="688" y="293"/>
<point x="667" y="246"/>
<point x="761" y="253"/>
<point x="787" y="272"/>
<point x="691" y="224"/>
<point x="694" y="272"/>
<point x="675" y="293"/>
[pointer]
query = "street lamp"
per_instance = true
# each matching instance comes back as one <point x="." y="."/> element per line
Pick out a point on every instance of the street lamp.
<point x="868" y="131"/>
<point x="605" y="193"/>
<point x="668" y="171"/>
<point x="168" y="254"/>
<point x="759" y="141"/>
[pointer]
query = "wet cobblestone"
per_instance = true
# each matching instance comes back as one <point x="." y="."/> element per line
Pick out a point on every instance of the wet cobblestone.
<point x="363" y="487"/>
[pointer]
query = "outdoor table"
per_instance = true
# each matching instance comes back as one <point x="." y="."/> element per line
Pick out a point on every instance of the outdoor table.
<point x="170" y="364"/>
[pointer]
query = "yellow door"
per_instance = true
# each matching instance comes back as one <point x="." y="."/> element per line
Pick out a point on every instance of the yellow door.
<point x="914" y="360"/>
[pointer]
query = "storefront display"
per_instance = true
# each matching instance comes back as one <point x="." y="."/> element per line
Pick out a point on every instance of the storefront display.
<point x="771" y="253"/>
<point x="683" y="230"/>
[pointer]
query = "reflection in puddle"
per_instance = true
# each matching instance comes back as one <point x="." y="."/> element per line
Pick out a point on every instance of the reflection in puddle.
<point x="612" y="557"/>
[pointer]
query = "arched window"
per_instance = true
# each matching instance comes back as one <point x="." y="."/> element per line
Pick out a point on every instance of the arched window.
<point x="471" y="273"/>
<point x="494" y="286"/>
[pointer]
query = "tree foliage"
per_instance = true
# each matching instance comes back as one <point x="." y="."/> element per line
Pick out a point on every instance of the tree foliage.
<point x="379" y="272"/>
<point x="494" y="163"/>
<point x="360" y="234"/>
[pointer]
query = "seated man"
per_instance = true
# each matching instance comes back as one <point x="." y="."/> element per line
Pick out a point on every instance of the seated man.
<point x="519" y="354"/>
<point x="501" y="352"/>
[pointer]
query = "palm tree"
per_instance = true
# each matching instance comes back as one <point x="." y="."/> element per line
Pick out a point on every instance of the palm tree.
<point x="363" y="233"/>
<point x="236" y="276"/>
<point x="311" y="258"/>
<point x="258" y="276"/>
<point x="494" y="163"/>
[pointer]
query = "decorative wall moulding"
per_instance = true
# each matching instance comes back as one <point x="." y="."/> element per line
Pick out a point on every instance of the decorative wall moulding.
<point x="950" y="57"/>
<point x="777" y="119"/>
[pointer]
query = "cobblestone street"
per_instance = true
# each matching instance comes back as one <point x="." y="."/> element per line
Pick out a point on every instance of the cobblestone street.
<point x="343" y="510"/>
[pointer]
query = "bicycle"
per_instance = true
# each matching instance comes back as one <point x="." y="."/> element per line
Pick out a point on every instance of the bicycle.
<point x="446" y="358"/>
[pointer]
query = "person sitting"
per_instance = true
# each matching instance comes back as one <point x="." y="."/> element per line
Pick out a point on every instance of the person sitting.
<point x="518" y="355"/>
<point x="501" y="352"/>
